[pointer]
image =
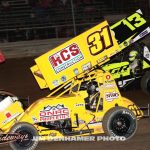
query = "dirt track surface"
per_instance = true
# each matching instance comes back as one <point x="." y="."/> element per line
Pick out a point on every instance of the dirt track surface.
<point x="15" y="77"/>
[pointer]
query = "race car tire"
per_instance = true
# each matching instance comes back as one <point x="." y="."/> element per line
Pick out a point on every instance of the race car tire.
<point x="120" y="122"/>
<point x="4" y="94"/>
<point x="28" y="143"/>
<point x="145" y="83"/>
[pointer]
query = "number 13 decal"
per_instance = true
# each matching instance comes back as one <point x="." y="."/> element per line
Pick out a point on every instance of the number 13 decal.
<point x="99" y="41"/>
<point x="137" y="20"/>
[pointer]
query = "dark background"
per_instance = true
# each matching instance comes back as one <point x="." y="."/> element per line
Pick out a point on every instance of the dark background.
<point x="24" y="20"/>
<point x="44" y="19"/>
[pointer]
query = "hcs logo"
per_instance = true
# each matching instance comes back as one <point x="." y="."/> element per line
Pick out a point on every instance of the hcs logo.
<point x="65" y="58"/>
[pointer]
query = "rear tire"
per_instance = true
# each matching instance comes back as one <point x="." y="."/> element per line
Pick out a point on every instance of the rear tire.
<point x="24" y="129"/>
<point x="120" y="122"/>
<point x="145" y="83"/>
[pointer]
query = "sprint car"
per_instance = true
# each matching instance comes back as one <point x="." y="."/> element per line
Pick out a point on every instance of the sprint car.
<point x="70" y="110"/>
<point x="127" y="72"/>
<point x="133" y="28"/>
<point x="98" y="109"/>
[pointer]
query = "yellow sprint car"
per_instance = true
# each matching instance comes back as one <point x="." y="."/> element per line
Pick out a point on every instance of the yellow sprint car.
<point x="70" y="109"/>
<point x="99" y="108"/>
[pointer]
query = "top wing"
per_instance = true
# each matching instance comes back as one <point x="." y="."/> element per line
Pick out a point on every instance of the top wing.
<point x="95" y="46"/>
<point x="75" y="56"/>
<point x="131" y="29"/>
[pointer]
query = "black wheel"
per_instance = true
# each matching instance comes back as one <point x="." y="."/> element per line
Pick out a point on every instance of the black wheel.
<point x="145" y="83"/>
<point x="28" y="143"/>
<point x="4" y="94"/>
<point x="120" y="122"/>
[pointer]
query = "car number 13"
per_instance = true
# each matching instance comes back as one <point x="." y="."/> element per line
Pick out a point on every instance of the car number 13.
<point x="134" y="21"/>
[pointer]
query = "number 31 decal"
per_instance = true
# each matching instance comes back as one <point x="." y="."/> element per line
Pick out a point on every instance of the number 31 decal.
<point x="100" y="40"/>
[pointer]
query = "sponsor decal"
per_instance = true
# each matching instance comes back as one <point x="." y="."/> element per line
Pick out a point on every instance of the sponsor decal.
<point x="144" y="33"/>
<point x="68" y="85"/>
<point x="96" y="124"/>
<point x="109" y="85"/>
<point x="115" y="52"/>
<point x="76" y="71"/>
<point x="63" y="78"/>
<point x="53" y="113"/>
<point x="34" y="119"/>
<point x="109" y="81"/>
<point x="8" y="114"/>
<point x="6" y="138"/>
<point x="110" y="96"/>
<point x="10" y="117"/>
<point x="87" y="66"/>
<point x="66" y="58"/>
<point x="55" y="83"/>
<point x="92" y="121"/>
<point x="119" y="70"/>
<point x="128" y="113"/>
<point x="107" y="77"/>
<point x="103" y="59"/>
<point x="78" y="105"/>
<point x="80" y="122"/>
<point x="124" y="82"/>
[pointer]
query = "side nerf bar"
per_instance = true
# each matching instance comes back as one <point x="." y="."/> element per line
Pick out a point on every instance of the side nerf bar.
<point x="147" y="110"/>
<point x="140" y="112"/>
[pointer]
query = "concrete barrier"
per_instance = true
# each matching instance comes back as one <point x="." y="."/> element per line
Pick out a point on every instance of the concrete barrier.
<point x="29" y="48"/>
<point x="37" y="47"/>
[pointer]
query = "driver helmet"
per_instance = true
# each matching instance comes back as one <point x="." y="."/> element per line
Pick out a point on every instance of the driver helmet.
<point x="91" y="88"/>
<point x="132" y="55"/>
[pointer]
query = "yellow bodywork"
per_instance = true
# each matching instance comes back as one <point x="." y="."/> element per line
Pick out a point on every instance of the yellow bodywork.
<point x="75" y="56"/>
<point x="65" y="69"/>
<point x="74" y="105"/>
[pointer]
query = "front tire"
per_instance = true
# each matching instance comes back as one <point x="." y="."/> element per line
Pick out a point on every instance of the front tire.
<point x="24" y="129"/>
<point x="120" y="122"/>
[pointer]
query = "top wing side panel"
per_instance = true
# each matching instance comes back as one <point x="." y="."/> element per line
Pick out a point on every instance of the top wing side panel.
<point x="77" y="55"/>
<point x="131" y="29"/>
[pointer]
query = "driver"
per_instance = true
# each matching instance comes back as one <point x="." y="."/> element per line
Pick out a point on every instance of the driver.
<point x="93" y="95"/>
<point x="134" y="61"/>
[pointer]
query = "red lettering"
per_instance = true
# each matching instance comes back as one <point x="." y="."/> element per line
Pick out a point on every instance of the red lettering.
<point x="57" y="112"/>
<point x="49" y="113"/>
<point x="42" y="113"/>
<point x="42" y="119"/>
<point x="52" y="117"/>
<point x="74" y="50"/>
<point x="65" y="58"/>
<point x="64" y="55"/>
<point x="55" y="61"/>
<point x="65" y="111"/>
